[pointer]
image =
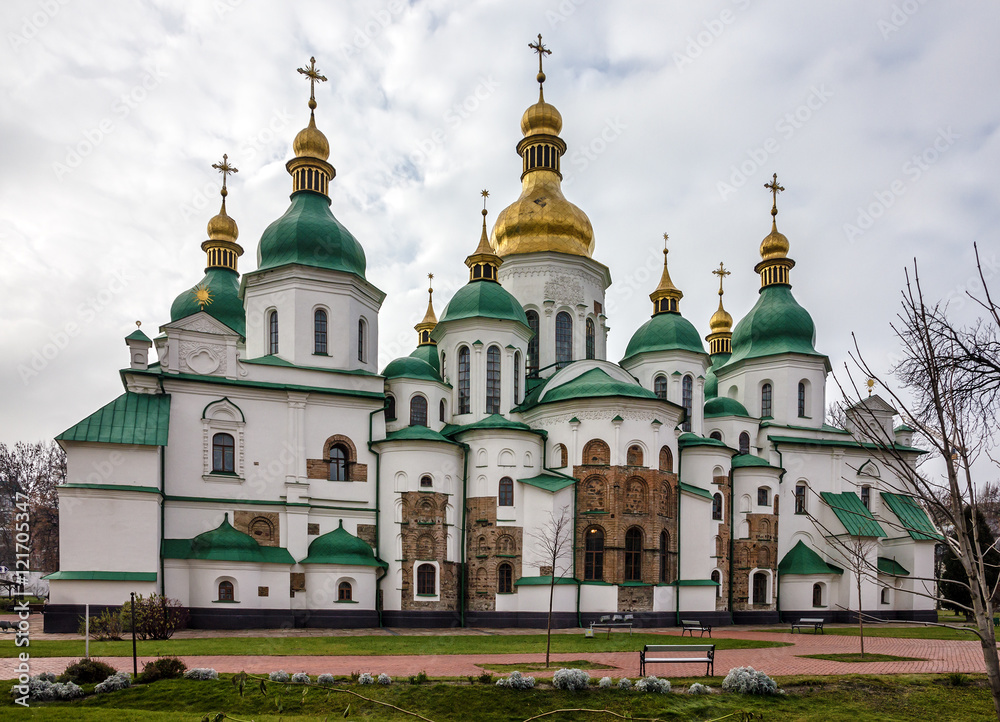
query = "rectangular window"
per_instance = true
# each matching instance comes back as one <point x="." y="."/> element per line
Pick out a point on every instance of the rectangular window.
<point x="800" y="499"/>
<point x="763" y="496"/>
<point x="464" y="401"/>
<point x="866" y="497"/>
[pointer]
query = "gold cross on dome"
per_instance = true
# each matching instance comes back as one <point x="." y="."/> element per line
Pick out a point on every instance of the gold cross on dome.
<point x="775" y="190"/>
<point x="721" y="272"/>
<point x="430" y="282"/>
<point x="485" y="194"/>
<point x="666" y="237"/>
<point x="312" y="72"/>
<point x="541" y="50"/>
<point x="225" y="168"/>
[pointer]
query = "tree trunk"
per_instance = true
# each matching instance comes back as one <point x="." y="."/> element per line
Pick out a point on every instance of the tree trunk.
<point x="548" y="631"/>
<point x="861" y="618"/>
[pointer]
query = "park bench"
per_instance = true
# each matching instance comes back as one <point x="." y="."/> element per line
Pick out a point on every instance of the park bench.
<point x="816" y="624"/>
<point x="693" y="625"/>
<point x="667" y="654"/>
<point x="609" y="621"/>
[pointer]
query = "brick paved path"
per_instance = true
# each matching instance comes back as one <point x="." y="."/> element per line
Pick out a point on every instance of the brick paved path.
<point x="938" y="656"/>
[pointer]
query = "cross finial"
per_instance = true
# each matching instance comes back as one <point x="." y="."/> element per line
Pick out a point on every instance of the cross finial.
<point x="485" y="194"/>
<point x="666" y="237"/>
<point x="225" y="168"/>
<point x="775" y="190"/>
<point x="312" y="72"/>
<point x="430" y="282"/>
<point x="541" y="50"/>
<point x="721" y="272"/>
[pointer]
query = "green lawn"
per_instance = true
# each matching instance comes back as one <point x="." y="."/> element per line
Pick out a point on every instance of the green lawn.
<point x="835" y="699"/>
<point x="907" y="632"/>
<point x="858" y="657"/>
<point x="369" y="645"/>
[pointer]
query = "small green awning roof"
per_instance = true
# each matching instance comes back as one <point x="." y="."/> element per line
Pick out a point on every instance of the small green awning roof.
<point x="549" y="482"/>
<point x="141" y="419"/>
<point x="493" y="421"/>
<point x="102" y="576"/>
<point x="341" y="547"/>
<point x="693" y="583"/>
<point x="800" y="559"/>
<point x="741" y="461"/>
<point x="543" y="581"/>
<point x="854" y="515"/>
<point x="697" y="490"/>
<point x="416" y="433"/>
<point x="891" y="567"/>
<point x="225" y="543"/>
<point x="688" y="439"/>
<point x="912" y="516"/>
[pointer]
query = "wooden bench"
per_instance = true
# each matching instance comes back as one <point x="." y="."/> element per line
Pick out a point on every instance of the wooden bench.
<point x="816" y="624"/>
<point x="693" y="625"/>
<point x="609" y="621"/>
<point x="666" y="654"/>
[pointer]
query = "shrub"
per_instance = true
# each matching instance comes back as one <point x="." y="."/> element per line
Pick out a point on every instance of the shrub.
<point x="624" y="683"/>
<point x="161" y="668"/>
<point x="747" y="680"/>
<point x="699" y="688"/>
<point x="300" y="678"/>
<point x="326" y="680"/>
<point x="516" y="681"/>
<point x="42" y="689"/>
<point x="605" y="683"/>
<point x="87" y="671"/>
<point x="653" y="684"/>
<point x="365" y="678"/>
<point x="384" y="679"/>
<point x="106" y="626"/>
<point x="46" y="676"/>
<point x="486" y="678"/>
<point x="201" y="673"/>
<point x="957" y="679"/>
<point x="156" y="616"/>
<point x="571" y="679"/>
<point x="114" y="683"/>
<point x="279" y="676"/>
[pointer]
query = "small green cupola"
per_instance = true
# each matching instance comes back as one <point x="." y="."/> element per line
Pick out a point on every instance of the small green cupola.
<point x="341" y="547"/>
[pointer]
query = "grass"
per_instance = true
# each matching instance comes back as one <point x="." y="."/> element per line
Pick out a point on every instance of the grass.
<point x="367" y="645"/>
<point x="858" y="657"/>
<point x="906" y="632"/>
<point x="901" y="698"/>
<point x="535" y="666"/>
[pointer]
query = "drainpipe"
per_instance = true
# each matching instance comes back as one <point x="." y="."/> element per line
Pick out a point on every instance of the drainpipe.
<point x="163" y="516"/>
<point x="677" y="588"/>
<point x="461" y="577"/>
<point x="378" y="501"/>
<point x="732" y="547"/>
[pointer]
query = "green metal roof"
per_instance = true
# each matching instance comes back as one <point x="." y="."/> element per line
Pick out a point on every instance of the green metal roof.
<point x="138" y="335"/>
<point x="224" y="303"/>
<point x="776" y="324"/>
<point x="308" y="234"/>
<point x="688" y="439"/>
<point x="697" y="490"/>
<point x="741" y="461"/>
<point x="272" y="360"/>
<point x="543" y="581"/>
<point x="800" y="559"/>
<point x="481" y="299"/>
<point x="692" y="583"/>
<point x="891" y="567"/>
<point x="846" y="444"/>
<point x="223" y="381"/>
<point x="725" y="406"/>
<point x="493" y="421"/>
<point x="549" y="482"/>
<point x="854" y="515"/>
<point x="142" y="419"/>
<point x="590" y="384"/>
<point x="423" y="363"/>
<point x="711" y="380"/>
<point x="225" y="543"/>
<point x="341" y="547"/>
<point x="912" y="516"/>
<point x="102" y="576"/>
<point x="417" y="433"/>
<point x="664" y="332"/>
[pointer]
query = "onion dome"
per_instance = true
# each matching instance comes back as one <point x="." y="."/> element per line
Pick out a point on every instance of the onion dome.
<point x="724" y="406"/>
<point x="310" y="141"/>
<point x="541" y="219"/>
<point x="423" y="364"/>
<point x="720" y="327"/>
<point x="341" y="547"/>
<point x="775" y="263"/>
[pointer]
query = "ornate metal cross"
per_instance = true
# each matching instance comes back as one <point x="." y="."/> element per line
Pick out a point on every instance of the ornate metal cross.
<point x="721" y="272"/>
<point x="541" y="50"/>
<point x="312" y="72"/>
<point x="225" y="168"/>
<point x="775" y="190"/>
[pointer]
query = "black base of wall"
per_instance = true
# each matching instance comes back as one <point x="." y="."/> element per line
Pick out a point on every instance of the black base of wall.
<point x="65" y="618"/>
<point x="762" y="617"/>
<point x="841" y="616"/>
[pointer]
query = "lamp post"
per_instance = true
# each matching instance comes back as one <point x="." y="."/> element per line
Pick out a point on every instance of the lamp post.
<point x="135" y="661"/>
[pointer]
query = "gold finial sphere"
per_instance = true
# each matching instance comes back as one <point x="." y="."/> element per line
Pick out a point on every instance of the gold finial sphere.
<point x="138" y="324"/>
<point x="540" y="77"/>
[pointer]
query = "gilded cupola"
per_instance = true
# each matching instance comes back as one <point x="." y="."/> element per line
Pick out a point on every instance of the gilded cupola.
<point x="309" y="168"/>
<point x="775" y="263"/>
<point x="429" y="320"/>
<point x="221" y="247"/>
<point x="720" y="340"/>
<point x="541" y="219"/>
<point x="483" y="262"/>
<point x="667" y="296"/>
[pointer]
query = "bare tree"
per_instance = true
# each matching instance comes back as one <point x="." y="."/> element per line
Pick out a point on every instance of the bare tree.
<point x="950" y="392"/>
<point x="553" y="549"/>
<point x="34" y="470"/>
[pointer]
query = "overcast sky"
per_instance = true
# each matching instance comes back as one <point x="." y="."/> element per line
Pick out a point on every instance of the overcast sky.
<point x="880" y="119"/>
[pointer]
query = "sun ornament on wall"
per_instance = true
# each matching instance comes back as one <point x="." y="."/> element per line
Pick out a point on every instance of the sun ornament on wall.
<point x="202" y="295"/>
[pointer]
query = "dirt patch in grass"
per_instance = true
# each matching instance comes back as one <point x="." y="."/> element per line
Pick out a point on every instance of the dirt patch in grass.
<point x="858" y="657"/>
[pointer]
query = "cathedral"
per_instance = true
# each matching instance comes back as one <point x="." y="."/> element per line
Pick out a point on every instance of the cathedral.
<point x="263" y="470"/>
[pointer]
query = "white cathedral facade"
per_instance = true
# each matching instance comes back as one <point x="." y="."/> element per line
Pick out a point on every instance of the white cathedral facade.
<point x="266" y="473"/>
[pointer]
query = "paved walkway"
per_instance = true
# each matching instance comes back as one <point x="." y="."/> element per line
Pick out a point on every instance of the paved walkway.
<point x="937" y="655"/>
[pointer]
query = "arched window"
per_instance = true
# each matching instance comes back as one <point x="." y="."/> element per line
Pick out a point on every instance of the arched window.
<point x="561" y="455"/>
<point x="760" y="588"/>
<point x="426" y="580"/>
<point x="660" y="387"/>
<point x="344" y="592"/>
<point x="426" y="482"/>
<point x="800" y="498"/>
<point x="765" y="401"/>
<point x="261" y="529"/>
<point x="802" y="400"/>
<point x="532" y="367"/>
<point x="441" y="411"/>
<point x="362" y="340"/>
<point x="763" y="557"/>
<point x="633" y="457"/>
<point x="505" y="578"/>
<point x="744" y="443"/>
<point x="817" y="595"/>
<point x="717" y="578"/>
<point x="390" y="407"/>
<point x="464" y="400"/>
<point x="885" y="595"/>
<point x="720" y="549"/>
<point x="596" y="453"/>
<point x="272" y="333"/>
<point x="338" y="463"/>
<point x="444" y="366"/>
<point x="717" y="435"/>
<point x="593" y="554"/>
<point x="506" y="493"/>
<point x="418" y="411"/>
<point x="223" y="454"/>
<point x="591" y="339"/>
<point x="319" y="331"/>
<point x="664" y="559"/>
<point x="763" y="496"/>
<point x="493" y="380"/>
<point x="666" y="460"/>
<point x="564" y="339"/>
<point x="717" y="506"/>
<point x="866" y="496"/>
<point x="517" y="377"/>
<point x="633" y="555"/>
<point x="226" y="592"/>
<point x="687" y="394"/>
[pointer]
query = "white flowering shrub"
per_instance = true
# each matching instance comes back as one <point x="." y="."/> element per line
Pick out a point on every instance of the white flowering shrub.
<point x="43" y="688"/>
<point x="114" y="683"/>
<point x="605" y="683"/>
<point x="571" y="679"/>
<point x="653" y="685"/>
<point x="279" y="676"/>
<point x="202" y="674"/>
<point x="384" y="679"/>
<point x="326" y="680"/>
<point x="300" y="678"/>
<point x="365" y="678"/>
<point x="699" y="688"/>
<point x="747" y="680"/>
<point x="516" y="681"/>
<point x="624" y="683"/>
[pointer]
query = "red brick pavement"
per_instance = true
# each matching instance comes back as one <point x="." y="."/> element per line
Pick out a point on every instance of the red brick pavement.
<point x="938" y="655"/>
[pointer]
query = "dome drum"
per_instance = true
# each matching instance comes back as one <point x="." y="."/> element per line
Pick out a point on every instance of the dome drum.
<point x="310" y="174"/>
<point x="541" y="152"/>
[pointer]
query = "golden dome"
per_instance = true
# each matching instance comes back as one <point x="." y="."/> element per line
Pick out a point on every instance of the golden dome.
<point x="541" y="119"/>
<point x="541" y="219"/>
<point x="721" y="321"/>
<point x="310" y="142"/>
<point x="774" y="245"/>
<point x="222" y="227"/>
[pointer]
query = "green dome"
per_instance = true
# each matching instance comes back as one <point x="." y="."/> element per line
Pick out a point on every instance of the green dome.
<point x="481" y="299"/>
<point x="593" y="383"/>
<point x="711" y="380"/>
<point x="421" y="364"/>
<point x="723" y="406"/>
<point x="341" y="547"/>
<point x="664" y="332"/>
<point x="225" y="543"/>
<point x="223" y="303"/>
<point x="309" y="234"/>
<point x="776" y="324"/>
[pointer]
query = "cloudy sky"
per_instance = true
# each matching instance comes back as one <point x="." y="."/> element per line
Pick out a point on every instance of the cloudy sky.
<point x="880" y="119"/>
